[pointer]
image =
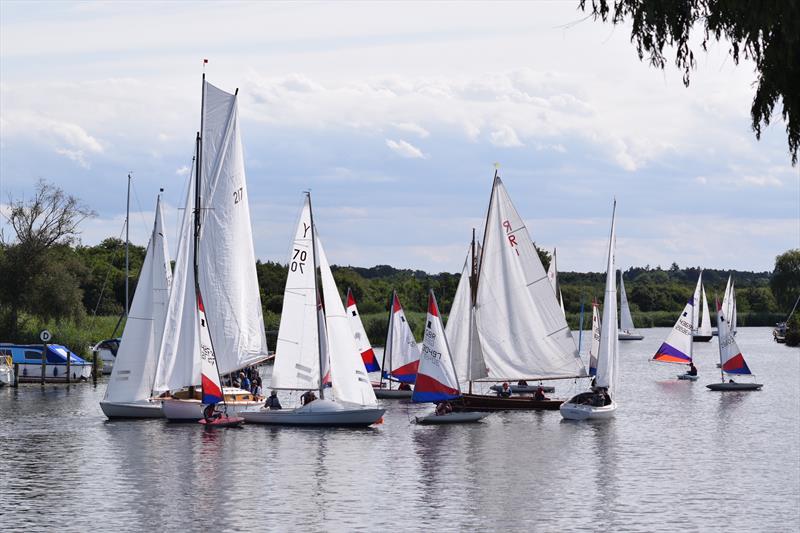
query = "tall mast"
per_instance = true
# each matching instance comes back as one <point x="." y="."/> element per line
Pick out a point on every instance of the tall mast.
<point x="473" y="289"/>
<point x="691" y="329"/>
<point x="127" y="244"/>
<point x="389" y="337"/>
<point x="319" y="302"/>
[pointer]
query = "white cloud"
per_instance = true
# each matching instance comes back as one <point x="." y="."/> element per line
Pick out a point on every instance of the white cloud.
<point x="505" y="137"/>
<point x="761" y="181"/>
<point x="182" y="171"/>
<point x="412" y="128"/>
<point x="404" y="149"/>
<point x="74" y="155"/>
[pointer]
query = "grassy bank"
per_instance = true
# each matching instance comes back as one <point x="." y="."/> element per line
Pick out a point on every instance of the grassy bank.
<point x="78" y="337"/>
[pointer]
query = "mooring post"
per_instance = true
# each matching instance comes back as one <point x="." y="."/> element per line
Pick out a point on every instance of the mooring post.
<point x="69" y="366"/>
<point x="44" y="362"/>
<point x="94" y="367"/>
<point x="16" y="375"/>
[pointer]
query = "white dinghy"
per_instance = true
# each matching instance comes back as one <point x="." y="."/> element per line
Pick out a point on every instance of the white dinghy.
<point x="215" y="258"/>
<point x="627" y="330"/>
<point x="599" y="403"/>
<point x="316" y="345"/>
<point x="731" y="359"/>
<point x="436" y="375"/>
<point x="400" y="357"/>
<point x="130" y="387"/>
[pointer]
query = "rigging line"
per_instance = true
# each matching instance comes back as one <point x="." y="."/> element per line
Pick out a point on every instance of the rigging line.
<point x="105" y="282"/>
<point x="141" y="211"/>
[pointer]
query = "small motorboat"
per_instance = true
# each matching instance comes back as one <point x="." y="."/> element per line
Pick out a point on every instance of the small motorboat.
<point x="223" y="421"/>
<point x="734" y="386"/>
<point x="452" y="418"/>
<point x="584" y="407"/>
<point x="687" y="377"/>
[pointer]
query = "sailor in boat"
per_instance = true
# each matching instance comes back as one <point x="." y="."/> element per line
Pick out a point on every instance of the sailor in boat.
<point x="307" y="397"/>
<point x="210" y="414"/>
<point x="404" y="386"/>
<point x="443" y="408"/>
<point x="505" y="391"/>
<point x="522" y="383"/>
<point x="692" y="370"/>
<point x="273" y="402"/>
<point x="539" y="395"/>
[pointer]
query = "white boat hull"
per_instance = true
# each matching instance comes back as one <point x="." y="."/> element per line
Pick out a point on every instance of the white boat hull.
<point x="6" y="376"/>
<point x="142" y="409"/>
<point x="687" y="377"/>
<point x="317" y="413"/>
<point x="33" y="371"/>
<point x="192" y="410"/>
<point x="452" y="418"/>
<point x="574" y="411"/>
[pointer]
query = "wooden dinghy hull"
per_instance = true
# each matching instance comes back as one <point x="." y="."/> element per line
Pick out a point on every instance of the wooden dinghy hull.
<point x="482" y="402"/>
<point x="734" y="386"/>
<point x="524" y="389"/>
<point x="452" y="418"/>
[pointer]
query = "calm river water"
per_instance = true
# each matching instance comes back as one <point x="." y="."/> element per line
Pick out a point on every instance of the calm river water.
<point x="677" y="457"/>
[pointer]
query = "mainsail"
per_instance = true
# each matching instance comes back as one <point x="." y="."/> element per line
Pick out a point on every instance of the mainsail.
<point x="594" y="347"/>
<point x="607" y="355"/>
<point x="705" y="323"/>
<point x="223" y="253"/>
<point x="552" y="275"/>
<point x="625" y="318"/>
<point x="401" y="356"/>
<point x="297" y="357"/>
<point x="360" y="335"/>
<point x="522" y="330"/>
<point x="133" y="375"/>
<point x="730" y="356"/>
<point x="677" y="348"/>
<point x="436" y="376"/>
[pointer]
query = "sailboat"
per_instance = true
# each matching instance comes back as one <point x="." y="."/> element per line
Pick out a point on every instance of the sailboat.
<point x="627" y="331"/>
<point x="519" y="327"/>
<point x="215" y="264"/>
<point x="702" y="326"/>
<point x="600" y="402"/>
<point x="130" y="387"/>
<point x="678" y="346"/>
<point x="729" y="307"/>
<point x="552" y="275"/>
<point x="400" y="356"/>
<point x="731" y="359"/>
<point x="360" y="335"/>
<point x="436" y="375"/>
<point x="314" y="339"/>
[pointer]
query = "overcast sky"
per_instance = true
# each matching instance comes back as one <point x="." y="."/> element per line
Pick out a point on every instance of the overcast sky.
<point x="393" y="115"/>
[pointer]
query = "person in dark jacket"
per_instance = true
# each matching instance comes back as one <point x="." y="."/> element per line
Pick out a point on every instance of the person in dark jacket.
<point x="273" y="402"/>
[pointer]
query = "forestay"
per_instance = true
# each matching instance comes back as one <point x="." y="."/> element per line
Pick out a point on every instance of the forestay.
<point x="133" y="374"/>
<point x="297" y="357"/>
<point x="463" y="344"/>
<point x="607" y="355"/>
<point x="360" y="335"/>
<point x="436" y="376"/>
<point x="522" y="331"/>
<point x="348" y="375"/>
<point x="402" y="352"/>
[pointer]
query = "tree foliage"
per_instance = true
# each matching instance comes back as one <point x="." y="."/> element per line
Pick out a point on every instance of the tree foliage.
<point x="785" y="280"/>
<point x="766" y="32"/>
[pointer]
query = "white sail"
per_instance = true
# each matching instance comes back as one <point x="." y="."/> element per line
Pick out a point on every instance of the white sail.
<point x="463" y="344"/>
<point x="732" y="311"/>
<point x="696" y="314"/>
<point x="402" y="352"/>
<point x="594" y="347"/>
<point x="227" y="262"/>
<point x="360" y="334"/>
<point x="348" y="375"/>
<point x="607" y="355"/>
<point x="178" y="361"/>
<point x="552" y="275"/>
<point x="297" y="357"/>
<point x="730" y="356"/>
<point x="705" y="323"/>
<point x="625" y="318"/>
<point x="677" y="347"/>
<point x="133" y="375"/>
<point x="522" y="331"/>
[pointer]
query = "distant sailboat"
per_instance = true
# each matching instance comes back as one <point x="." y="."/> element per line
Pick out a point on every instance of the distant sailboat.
<point x="360" y="335"/>
<point x="731" y="360"/>
<point x="627" y="330"/>
<point x="678" y="346"/>
<point x="702" y="326"/>
<point x="728" y="307"/>
<point x="552" y="275"/>
<point x="436" y="375"/>
<point x="130" y="386"/>
<point x="400" y="356"/>
<point x="600" y="402"/>
<point x="315" y="336"/>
